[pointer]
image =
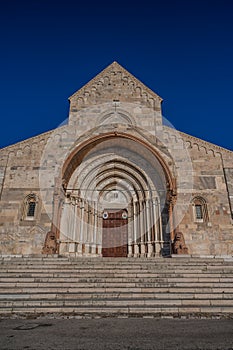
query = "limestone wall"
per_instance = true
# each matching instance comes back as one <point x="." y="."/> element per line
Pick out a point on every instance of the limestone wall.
<point x="116" y="103"/>
<point x="20" y="165"/>
<point x="212" y="182"/>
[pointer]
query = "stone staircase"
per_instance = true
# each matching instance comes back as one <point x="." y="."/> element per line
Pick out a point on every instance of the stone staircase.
<point x="134" y="287"/>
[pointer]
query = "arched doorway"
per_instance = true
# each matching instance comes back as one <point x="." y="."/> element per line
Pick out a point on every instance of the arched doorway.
<point x="115" y="175"/>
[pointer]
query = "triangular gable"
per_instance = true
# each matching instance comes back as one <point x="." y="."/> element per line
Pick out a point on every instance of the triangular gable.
<point x="114" y="83"/>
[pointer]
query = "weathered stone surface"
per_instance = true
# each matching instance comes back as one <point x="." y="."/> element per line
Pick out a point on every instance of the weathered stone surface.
<point x="115" y="139"/>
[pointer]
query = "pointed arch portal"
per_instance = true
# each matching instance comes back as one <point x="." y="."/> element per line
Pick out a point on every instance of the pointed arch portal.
<point x="116" y="199"/>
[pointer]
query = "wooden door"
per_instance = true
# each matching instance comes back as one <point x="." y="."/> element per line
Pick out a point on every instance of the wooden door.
<point x="115" y="234"/>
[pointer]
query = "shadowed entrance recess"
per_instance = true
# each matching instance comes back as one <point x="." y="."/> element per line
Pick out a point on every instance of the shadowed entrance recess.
<point x="115" y="176"/>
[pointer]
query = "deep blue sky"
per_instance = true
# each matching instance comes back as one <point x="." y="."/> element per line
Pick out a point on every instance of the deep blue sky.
<point x="183" y="50"/>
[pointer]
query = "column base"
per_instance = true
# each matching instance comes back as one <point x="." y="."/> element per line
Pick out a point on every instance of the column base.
<point x="136" y="251"/>
<point x="93" y="249"/>
<point x="72" y="248"/>
<point x="130" y="250"/>
<point x="99" y="250"/>
<point x="150" y="250"/>
<point x="157" y="248"/>
<point x="80" y="249"/>
<point x="143" y="250"/>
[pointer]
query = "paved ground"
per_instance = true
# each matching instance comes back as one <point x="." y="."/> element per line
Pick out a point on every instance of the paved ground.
<point x="116" y="334"/>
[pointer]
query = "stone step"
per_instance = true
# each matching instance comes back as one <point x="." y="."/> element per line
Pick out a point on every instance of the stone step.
<point x="115" y="303"/>
<point x="4" y="276"/>
<point x="131" y="286"/>
<point x="85" y="259"/>
<point x="110" y="295"/>
<point x="112" y="273"/>
<point x="105" y="261"/>
<point x="113" y="261"/>
<point x="106" y="268"/>
<point x="132" y="265"/>
<point x="115" y="279"/>
<point x="133" y="311"/>
<point x="128" y="285"/>
<point x="115" y="289"/>
<point x="121" y="265"/>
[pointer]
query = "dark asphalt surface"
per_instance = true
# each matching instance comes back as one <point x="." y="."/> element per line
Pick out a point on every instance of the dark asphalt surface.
<point x="117" y="334"/>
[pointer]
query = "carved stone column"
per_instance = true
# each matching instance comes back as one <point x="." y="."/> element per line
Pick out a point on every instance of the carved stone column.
<point x="94" y="226"/>
<point x="85" y="233"/>
<point x="172" y="202"/>
<point x="64" y="225"/>
<point x="81" y="224"/>
<point x="99" y="232"/>
<point x="142" y="227"/>
<point x="149" y="233"/>
<point x="157" y="225"/>
<point x="72" y="226"/>
<point x="135" y="229"/>
<point x="78" y="213"/>
<point x="130" y="231"/>
<point x="58" y="199"/>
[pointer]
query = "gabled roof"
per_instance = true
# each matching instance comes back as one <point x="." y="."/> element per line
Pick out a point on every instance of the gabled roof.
<point x="112" y="73"/>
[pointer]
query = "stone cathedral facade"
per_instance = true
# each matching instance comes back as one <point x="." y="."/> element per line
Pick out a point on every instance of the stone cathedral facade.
<point x="116" y="180"/>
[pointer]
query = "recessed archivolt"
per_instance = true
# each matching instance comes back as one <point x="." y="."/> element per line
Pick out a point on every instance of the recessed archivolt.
<point x="127" y="172"/>
<point x="80" y="153"/>
<point x="102" y="173"/>
<point x="92" y="170"/>
<point x="96" y="167"/>
<point x="111" y="178"/>
<point x="95" y="178"/>
<point x="134" y="185"/>
<point x="113" y="156"/>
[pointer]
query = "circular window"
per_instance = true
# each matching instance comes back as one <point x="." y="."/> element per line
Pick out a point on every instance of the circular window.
<point x="124" y="215"/>
<point x="105" y="215"/>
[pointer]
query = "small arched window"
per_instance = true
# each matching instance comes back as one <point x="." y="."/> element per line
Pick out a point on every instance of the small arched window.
<point x="30" y="207"/>
<point x="200" y="212"/>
